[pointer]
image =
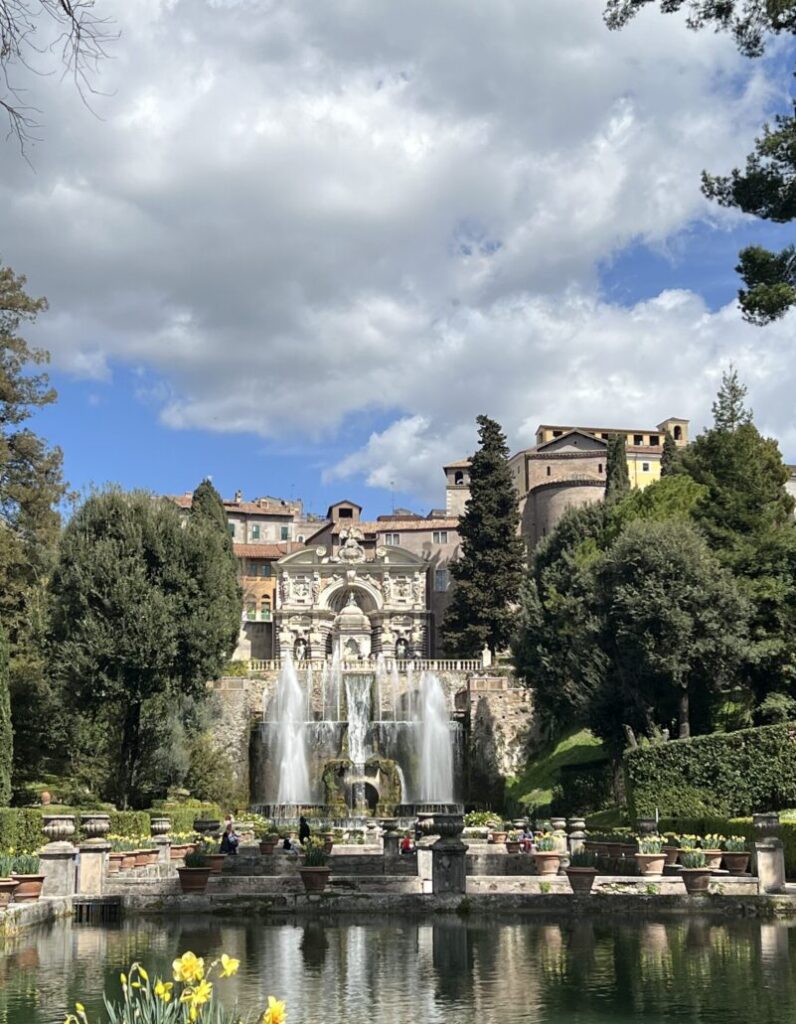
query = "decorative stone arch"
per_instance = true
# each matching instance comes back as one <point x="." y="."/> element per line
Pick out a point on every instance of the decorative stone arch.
<point x="374" y="598"/>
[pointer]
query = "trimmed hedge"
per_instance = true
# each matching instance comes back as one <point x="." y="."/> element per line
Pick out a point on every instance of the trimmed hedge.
<point x="723" y="775"/>
<point x="734" y="827"/>
<point x="584" y="788"/>
<point x="20" y="829"/>
<point x="130" y="823"/>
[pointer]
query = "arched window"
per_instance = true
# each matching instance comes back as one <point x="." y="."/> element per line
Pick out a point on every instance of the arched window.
<point x="458" y="477"/>
<point x="678" y="433"/>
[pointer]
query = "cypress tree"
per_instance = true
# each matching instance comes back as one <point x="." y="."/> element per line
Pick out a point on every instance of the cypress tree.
<point x="489" y="574"/>
<point x="669" y="456"/>
<point x="728" y="410"/>
<point x="6" y="732"/>
<point x="617" y="478"/>
<point x="206" y="504"/>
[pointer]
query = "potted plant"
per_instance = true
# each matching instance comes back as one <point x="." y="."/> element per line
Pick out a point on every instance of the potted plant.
<point x="513" y="842"/>
<point x="214" y="857"/>
<point x="694" y="872"/>
<point x="7" y="883"/>
<point x="736" y="856"/>
<point x="582" y="871"/>
<point x="546" y="857"/>
<point x="499" y="834"/>
<point x="711" y="847"/>
<point x="195" y="874"/>
<point x="314" y="871"/>
<point x="650" y="858"/>
<point x="119" y="850"/>
<point x="671" y="848"/>
<point x="25" y="871"/>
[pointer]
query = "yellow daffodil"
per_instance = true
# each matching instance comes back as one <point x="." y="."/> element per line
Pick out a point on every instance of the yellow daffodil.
<point x="143" y="973"/>
<point x="229" y="965"/>
<point x="276" y="1012"/>
<point x="188" y="967"/>
<point x="163" y="990"/>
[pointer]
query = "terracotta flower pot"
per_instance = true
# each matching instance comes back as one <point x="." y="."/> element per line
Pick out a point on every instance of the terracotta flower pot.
<point x="193" y="880"/>
<point x="713" y="859"/>
<point x="152" y="857"/>
<point x="115" y="859"/>
<point x="737" y="863"/>
<point x="7" y="887"/>
<point x="671" y="853"/>
<point x="547" y="862"/>
<point x="141" y="858"/>
<point x="650" y="863"/>
<point x="581" y="880"/>
<point x="128" y="860"/>
<point x="696" y="880"/>
<point x="314" y="879"/>
<point x="267" y="846"/>
<point x="512" y="846"/>
<point x="216" y="861"/>
<point x="328" y="845"/>
<point x="28" y="887"/>
<point x="176" y="852"/>
<point x="499" y="837"/>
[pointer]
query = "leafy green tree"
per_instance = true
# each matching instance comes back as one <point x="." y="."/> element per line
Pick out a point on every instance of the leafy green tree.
<point x="617" y="477"/>
<point x="765" y="188"/>
<point x="670" y="456"/>
<point x="671" y="497"/>
<point x="141" y="618"/>
<point x="674" y="623"/>
<point x="488" y="576"/>
<point x="6" y="731"/>
<point x="556" y="648"/>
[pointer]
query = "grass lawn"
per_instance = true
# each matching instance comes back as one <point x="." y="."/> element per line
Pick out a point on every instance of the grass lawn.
<point x="535" y="785"/>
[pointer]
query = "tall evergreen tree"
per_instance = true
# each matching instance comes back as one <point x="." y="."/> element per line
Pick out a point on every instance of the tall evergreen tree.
<point x="617" y="479"/>
<point x="489" y="574"/>
<point x="207" y="509"/>
<point x="669" y="455"/>
<point x="729" y="411"/>
<point x="6" y="731"/>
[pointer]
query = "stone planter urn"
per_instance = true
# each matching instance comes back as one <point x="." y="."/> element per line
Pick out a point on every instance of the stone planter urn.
<point x="448" y="826"/>
<point x="713" y="859"/>
<point x="95" y="826"/>
<point x="547" y="862"/>
<point x="314" y="879"/>
<point x="766" y="824"/>
<point x="58" y="827"/>
<point x="193" y="880"/>
<point x="28" y="888"/>
<point x="647" y="826"/>
<point x="650" y="863"/>
<point x="736" y="863"/>
<point x="7" y="887"/>
<point x="160" y="826"/>
<point x="696" y="880"/>
<point x="207" y="826"/>
<point x="581" y="880"/>
<point x="499" y="837"/>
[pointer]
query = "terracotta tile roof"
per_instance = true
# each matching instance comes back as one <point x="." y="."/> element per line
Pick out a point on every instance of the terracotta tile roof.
<point x="248" y="507"/>
<point x="461" y="464"/>
<point x="265" y="550"/>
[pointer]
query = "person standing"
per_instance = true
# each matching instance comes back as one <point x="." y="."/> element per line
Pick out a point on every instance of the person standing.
<point x="304" y="830"/>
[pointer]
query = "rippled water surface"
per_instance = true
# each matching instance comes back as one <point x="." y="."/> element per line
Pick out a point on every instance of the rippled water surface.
<point x="404" y="970"/>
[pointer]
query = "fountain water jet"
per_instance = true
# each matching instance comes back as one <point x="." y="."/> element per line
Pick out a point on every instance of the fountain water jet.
<point x="436" y="750"/>
<point x="291" y="738"/>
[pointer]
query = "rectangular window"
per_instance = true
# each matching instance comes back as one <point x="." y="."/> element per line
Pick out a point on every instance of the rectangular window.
<point x="440" y="580"/>
<point x="251" y="611"/>
<point x="638" y="440"/>
<point x="265" y="610"/>
<point x="654" y="440"/>
<point x="557" y="433"/>
<point x="599" y="467"/>
<point x="392" y="540"/>
<point x="645" y="467"/>
<point x="439" y="536"/>
<point x="231" y="527"/>
<point x="284" y="533"/>
<point x="265" y="569"/>
<point x="604" y="437"/>
<point x="255" y="531"/>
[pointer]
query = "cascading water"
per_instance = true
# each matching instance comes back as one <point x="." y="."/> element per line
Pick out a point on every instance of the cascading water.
<point x="357" y="692"/>
<point x="291" y="738"/>
<point x="436" y="749"/>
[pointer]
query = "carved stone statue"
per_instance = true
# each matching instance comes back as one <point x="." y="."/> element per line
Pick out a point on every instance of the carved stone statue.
<point x="418" y="589"/>
<point x="316" y="587"/>
<point x="386" y="587"/>
<point x="284" y="588"/>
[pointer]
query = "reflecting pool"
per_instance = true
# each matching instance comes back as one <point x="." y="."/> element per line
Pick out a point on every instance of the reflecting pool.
<point x="447" y="969"/>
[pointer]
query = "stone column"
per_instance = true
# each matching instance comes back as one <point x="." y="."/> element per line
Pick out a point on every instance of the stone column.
<point x="57" y="864"/>
<point x="425" y="870"/>
<point x="577" y="834"/>
<point x="163" y="843"/>
<point x="769" y="855"/>
<point x="449" y="866"/>
<point x="391" y="842"/>
<point x="91" y="870"/>
<point x="558" y="826"/>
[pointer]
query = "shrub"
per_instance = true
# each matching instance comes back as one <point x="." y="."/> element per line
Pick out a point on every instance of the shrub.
<point x="130" y="823"/>
<point x="584" y="788"/>
<point x="185" y="814"/>
<point x="721" y="775"/>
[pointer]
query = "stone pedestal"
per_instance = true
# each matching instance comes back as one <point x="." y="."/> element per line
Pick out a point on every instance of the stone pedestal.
<point x="91" y="872"/>
<point x="425" y="869"/>
<point x="577" y="834"/>
<point x="449" y="871"/>
<point x="391" y="842"/>
<point x="163" y="843"/>
<point x="57" y="864"/>
<point x="769" y="864"/>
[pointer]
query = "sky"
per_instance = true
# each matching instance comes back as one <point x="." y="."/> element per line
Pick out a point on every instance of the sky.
<point x="298" y="247"/>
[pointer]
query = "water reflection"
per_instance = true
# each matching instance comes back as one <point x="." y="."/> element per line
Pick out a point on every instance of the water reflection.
<point x="449" y="969"/>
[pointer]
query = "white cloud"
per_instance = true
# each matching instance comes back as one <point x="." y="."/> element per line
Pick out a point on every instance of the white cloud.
<point x="295" y="211"/>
